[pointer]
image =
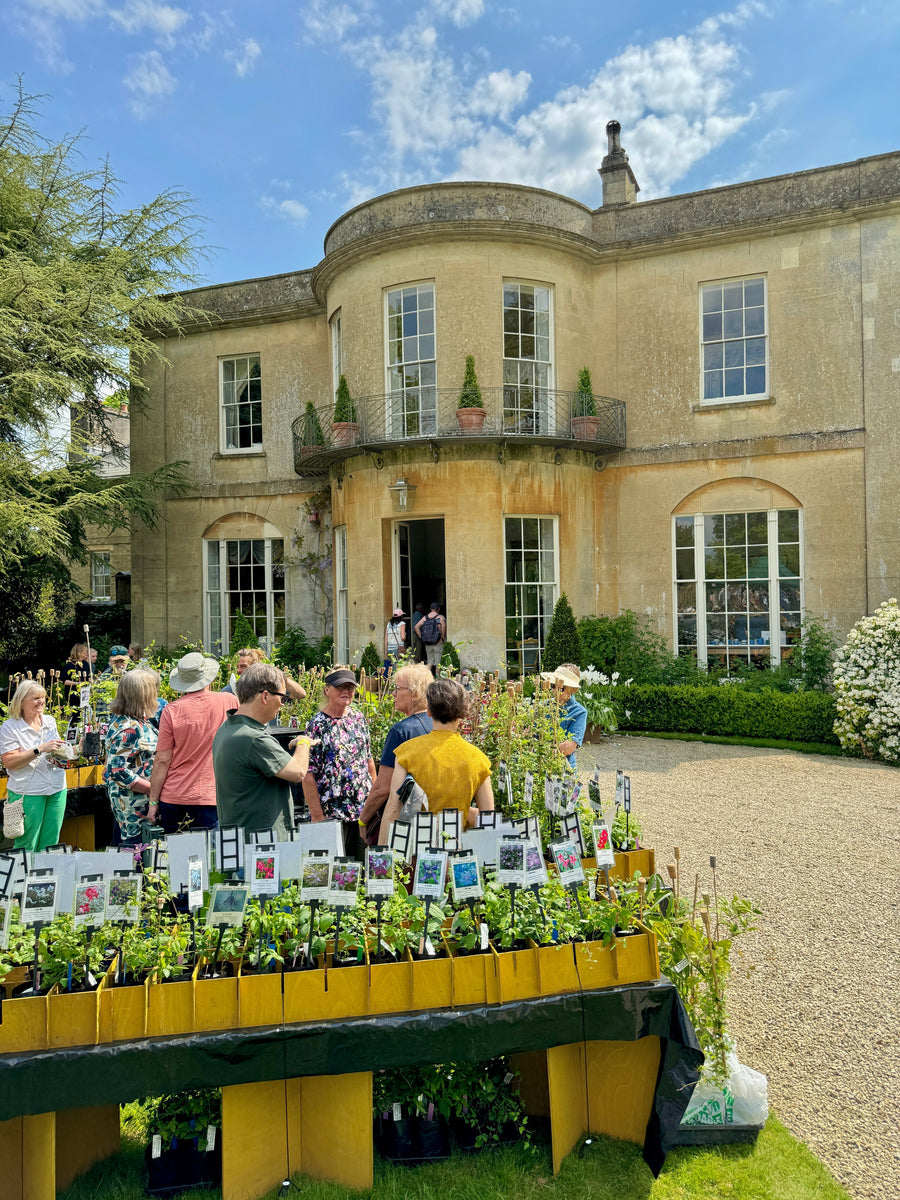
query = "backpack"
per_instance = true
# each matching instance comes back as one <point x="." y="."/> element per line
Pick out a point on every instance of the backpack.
<point x="431" y="630"/>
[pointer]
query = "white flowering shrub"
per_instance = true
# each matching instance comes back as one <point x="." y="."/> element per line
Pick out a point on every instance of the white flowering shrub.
<point x="867" y="686"/>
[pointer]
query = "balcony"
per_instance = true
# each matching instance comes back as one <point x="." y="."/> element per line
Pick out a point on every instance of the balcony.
<point x="426" y="415"/>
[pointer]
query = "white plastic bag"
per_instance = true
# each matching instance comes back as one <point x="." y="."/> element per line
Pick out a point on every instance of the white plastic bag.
<point x="741" y="1100"/>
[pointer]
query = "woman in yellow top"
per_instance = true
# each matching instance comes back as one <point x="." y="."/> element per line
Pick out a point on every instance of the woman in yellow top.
<point x="451" y="771"/>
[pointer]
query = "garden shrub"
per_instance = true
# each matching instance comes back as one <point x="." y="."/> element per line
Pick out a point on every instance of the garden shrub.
<point x="243" y="635"/>
<point x="449" y="656"/>
<point x="562" y="644"/>
<point x="728" y="710"/>
<point x="294" y="649"/>
<point x="626" y="644"/>
<point x="867" y="686"/>
<point x="371" y="661"/>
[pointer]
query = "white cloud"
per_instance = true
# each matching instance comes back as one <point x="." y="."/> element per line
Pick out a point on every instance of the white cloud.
<point x="244" y="60"/>
<point x="148" y="80"/>
<point x="290" y="210"/>
<point x="439" y="119"/>
<point x="140" y="15"/>
<point x="460" y="12"/>
<point x="326" y="22"/>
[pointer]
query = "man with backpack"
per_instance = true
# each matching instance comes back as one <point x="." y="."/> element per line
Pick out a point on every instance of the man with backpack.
<point x="432" y="629"/>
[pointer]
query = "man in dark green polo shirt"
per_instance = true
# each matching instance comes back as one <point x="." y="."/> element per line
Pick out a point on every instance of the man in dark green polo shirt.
<point x="253" y="773"/>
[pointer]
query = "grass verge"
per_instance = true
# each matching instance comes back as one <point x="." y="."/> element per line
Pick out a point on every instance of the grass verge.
<point x="777" y="1168"/>
<point x="767" y="743"/>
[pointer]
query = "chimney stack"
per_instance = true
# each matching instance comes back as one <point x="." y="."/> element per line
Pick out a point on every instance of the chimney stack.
<point x="619" y="183"/>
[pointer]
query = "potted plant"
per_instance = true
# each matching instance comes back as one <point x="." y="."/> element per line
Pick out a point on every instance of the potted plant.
<point x="344" y="428"/>
<point x="312" y="438"/>
<point x="584" y="410"/>
<point x="470" y="407"/>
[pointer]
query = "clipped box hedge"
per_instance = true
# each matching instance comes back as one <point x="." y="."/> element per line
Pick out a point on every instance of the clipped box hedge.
<point x="728" y="710"/>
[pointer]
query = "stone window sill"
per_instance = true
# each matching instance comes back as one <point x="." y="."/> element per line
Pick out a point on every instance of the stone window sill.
<point x="239" y="454"/>
<point x="721" y="405"/>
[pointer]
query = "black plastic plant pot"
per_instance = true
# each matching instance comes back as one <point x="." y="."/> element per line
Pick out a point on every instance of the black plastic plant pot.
<point x="181" y="1167"/>
<point x="465" y="1135"/>
<point x="434" y="1139"/>
<point x="398" y="1140"/>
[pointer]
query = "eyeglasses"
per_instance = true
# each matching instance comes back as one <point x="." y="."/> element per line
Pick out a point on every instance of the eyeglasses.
<point x="400" y="687"/>
<point x="269" y="692"/>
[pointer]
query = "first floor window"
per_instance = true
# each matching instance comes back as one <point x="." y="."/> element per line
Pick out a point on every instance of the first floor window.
<point x="240" y="387"/>
<point x="244" y="575"/>
<point x="738" y="586"/>
<point x="342" y="603"/>
<point x="101" y="579"/>
<point x="531" y="588"/>
<point x="527" y="362"/>
<point x="411" y="361"/>
<point x="733" y="339"/>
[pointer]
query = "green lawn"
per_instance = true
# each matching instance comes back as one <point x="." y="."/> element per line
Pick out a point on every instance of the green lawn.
<point x="777" y="1168"/>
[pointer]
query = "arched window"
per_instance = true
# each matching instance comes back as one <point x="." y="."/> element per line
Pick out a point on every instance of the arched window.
<point x="243" y="572"/>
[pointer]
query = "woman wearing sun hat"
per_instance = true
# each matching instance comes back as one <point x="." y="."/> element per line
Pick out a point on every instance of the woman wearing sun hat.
<point x="566" y="681"/>
<point x="183" y="784"/>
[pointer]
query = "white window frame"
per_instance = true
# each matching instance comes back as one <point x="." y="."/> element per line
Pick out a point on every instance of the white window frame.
<point x="704" y="342"/>
<point x="341" y="596"/>
<point x="544" y="410"/>
<point x="775" y="645"/>
<point x="216" y="599"/>
<point x="337" y="352"/>
<point x="395" y="422"/>
<point x="525" y="665"/>
<point x="224" y="448"/>
<point x="99" y="559"/>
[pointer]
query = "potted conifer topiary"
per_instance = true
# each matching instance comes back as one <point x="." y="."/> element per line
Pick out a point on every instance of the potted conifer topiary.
<point x="470" y="407"/>
<point x="344" y="428"/>
<point x="584" y="410"/>
<point x="312" y="437"/>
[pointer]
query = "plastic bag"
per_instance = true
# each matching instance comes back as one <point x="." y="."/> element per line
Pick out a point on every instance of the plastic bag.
<point x="741" y="1100"/>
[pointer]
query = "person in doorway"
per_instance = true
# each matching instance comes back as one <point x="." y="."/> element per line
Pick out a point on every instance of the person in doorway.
<point x="341" y="768"/>
<point x="566" y="681"/>
<point x="27" y="740"/>
<point x="418" y="646"/>
<point x="433" y="632"/>
<point x="183" y="786"/>
<point x="410" y="685"/>
<point x="394" y="639"/>
<point x="253" y="773"/>
<point x="451" y="771"/>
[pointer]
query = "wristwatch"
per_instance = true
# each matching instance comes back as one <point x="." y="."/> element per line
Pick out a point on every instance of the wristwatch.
<point x="37" y="752"/>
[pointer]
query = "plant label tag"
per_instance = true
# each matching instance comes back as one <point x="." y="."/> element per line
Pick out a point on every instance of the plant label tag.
<point x="210" y="1138"/>
<point x="626" y="793"/>
<point x="529" y="791"/>
<point x="571" y="828"/>
<point x="592" y="887"/>
<point x="343" y="884"/>
<point x="195" y="882"/>
<point x="681" y="966"/>
<point x="507" y="1078"/>
<point x="429" y="1116"/>
<point x="400" y="839"/>
<point x="123" y="898"/>
<point x="263" y="870"/>
<point x="603" y="848"/>
<point x="550" y="797"/>
<point x="315" y="871"/>
<point x="5" y="911"/>
<point x="620" y="788"/>
<point x="511" y="862"/>
<point x="7" y="875"/>
<point x="90" y="902"/>
<point x="450" y="828"/>
<point x="464" y="874"/>
<point x="485" y="935"/>
<point x="156" y="1146"/>
<point x="535" y="867"/>
<point x="594" y="791"/>
<point x="396" y="1111"/>
<point x="227" y="904"/>
<point x="431" y="875"/>
<point x="84" y="696"/>
<point x="568" y="862"/>
<point x="429" y="947"/>
<point x="40" y="900"/>
<point x="379" y="872"/>
<point x="507" y="782"/>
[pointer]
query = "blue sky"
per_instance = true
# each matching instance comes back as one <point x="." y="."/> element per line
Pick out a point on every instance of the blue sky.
<point x="277" y="117"/>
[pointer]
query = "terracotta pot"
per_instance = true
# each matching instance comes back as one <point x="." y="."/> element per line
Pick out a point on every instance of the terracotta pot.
<point x="471" y="420"/>
<point x="584" y="429"/>
<point x="344" y="433"/>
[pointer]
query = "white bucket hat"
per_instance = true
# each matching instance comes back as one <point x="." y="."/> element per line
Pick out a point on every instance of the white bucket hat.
<point x="562" y="676"/>
<point x="193" y="673"/>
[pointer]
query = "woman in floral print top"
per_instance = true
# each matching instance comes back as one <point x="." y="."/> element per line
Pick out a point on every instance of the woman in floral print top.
<point x="341" y="768"/>
<point x="130" y="747"/>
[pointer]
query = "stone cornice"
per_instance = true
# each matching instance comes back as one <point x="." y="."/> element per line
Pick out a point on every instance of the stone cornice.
<point x="806" y="442"/>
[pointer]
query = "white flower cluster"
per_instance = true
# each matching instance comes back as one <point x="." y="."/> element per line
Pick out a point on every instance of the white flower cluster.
<point x="867" y="686"/>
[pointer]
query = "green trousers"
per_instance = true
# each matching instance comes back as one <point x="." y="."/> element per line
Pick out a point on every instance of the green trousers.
<point x="43" y="820"/>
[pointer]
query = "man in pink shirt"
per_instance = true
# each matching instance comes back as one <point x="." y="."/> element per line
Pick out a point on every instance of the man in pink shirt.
<point x="183" y="784"/>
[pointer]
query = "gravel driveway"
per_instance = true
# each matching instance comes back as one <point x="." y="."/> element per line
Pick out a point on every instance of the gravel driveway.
<point x="816" y="842"/>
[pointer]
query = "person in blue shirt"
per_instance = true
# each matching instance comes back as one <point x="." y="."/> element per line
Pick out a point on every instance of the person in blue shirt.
<point x="566" y="681"/>
<point x="410" y="685"/>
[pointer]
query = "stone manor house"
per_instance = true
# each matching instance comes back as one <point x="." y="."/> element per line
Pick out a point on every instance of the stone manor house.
<point x="736" y="466"/>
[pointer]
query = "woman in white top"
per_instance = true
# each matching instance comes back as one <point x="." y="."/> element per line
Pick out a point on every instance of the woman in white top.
<point x="25" y="739"/>
<point x="394" y="638"/>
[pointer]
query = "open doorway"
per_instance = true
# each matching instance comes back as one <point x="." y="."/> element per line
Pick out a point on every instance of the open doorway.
<point x="419" y="571"/>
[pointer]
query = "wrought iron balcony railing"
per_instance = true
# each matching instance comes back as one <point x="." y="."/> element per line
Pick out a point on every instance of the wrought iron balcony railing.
<point x="432" y="415"/>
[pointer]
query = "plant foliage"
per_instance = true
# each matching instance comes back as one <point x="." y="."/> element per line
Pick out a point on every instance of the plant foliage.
<point x="344" y="408"/>
<point x="563" y="643"/>
<point x="867" y="686"/>
<point x="312" y="427"/>
<point x="584" y="405"/>
<point x="470" y="395"/>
